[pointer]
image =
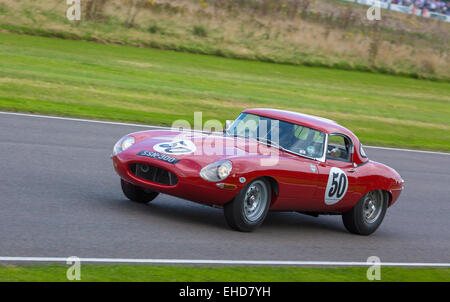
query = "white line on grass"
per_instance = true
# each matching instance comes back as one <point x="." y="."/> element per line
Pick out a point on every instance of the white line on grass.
<point x="169" y="128"/>
<point x="223" y="262"/>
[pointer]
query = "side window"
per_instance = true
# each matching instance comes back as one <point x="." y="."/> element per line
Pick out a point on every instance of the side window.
<point x="339" y="148"/>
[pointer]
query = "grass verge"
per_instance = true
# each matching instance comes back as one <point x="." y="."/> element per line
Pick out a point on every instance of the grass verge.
<point x="112" y="82"/>
<point x="132" y="273"/>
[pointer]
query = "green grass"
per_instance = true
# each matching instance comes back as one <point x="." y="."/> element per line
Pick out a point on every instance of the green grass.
<point x="326" y="33"/>
<point x="112" y="82"/>
<point x="130" y="273"/>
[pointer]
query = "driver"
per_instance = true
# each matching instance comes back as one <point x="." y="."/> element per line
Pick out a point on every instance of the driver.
<point x="335" y="152"/>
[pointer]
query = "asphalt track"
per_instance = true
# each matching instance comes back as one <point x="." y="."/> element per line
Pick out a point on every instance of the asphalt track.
<point x="60" y="197"/>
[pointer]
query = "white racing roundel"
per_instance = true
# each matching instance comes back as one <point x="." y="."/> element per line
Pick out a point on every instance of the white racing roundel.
<point x="182" y="146"/>
<point x="336" y="187"/>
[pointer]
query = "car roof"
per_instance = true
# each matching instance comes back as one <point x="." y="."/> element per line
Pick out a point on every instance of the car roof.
<point x="310" y="121"/>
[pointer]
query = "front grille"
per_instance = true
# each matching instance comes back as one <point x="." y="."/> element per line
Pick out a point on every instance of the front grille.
<point x="154" y="174"/>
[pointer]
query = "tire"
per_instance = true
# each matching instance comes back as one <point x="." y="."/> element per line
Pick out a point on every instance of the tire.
<point x="137" y="194"/>
<point x="249" y="208"/>
<point x="359" y="220"/>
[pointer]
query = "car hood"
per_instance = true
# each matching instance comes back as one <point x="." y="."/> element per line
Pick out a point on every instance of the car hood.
<point x="202" y="148"/>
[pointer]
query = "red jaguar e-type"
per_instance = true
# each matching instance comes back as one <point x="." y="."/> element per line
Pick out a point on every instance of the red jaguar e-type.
<point x="266" y="160"/>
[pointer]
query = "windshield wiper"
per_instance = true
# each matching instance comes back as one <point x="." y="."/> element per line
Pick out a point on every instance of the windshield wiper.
<point x="235" y="135"/>
<point x="265" y="141"/>
<point x="274" y="144"/>
<point x="270" y="143"/>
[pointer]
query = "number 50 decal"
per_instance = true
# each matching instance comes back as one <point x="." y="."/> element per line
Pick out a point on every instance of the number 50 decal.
<point x="336" y="187"/>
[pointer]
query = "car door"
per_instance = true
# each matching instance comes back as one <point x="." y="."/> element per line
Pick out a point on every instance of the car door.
<point x="338" y="176"/>
<point x="298" y="174"/>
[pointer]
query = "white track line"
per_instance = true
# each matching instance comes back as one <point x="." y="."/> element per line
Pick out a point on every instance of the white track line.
<point x="227" y="262"/>
<point x="81" y="120"/>
<point x="407" y="150"/>
<point x="169" y="128"/>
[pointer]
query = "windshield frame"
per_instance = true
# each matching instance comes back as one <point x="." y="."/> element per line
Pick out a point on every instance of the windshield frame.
<point x="277" y="144"/>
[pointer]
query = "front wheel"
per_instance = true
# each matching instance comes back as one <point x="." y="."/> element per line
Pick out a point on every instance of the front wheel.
<point x="367" y="215"/>
<point x="137" y="194"/>
<point x="249" y="208"/>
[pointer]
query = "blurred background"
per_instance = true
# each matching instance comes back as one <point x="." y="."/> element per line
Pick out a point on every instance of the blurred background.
<point x="311" y="32"/>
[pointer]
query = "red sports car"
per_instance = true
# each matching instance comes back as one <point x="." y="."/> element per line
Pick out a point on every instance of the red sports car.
<point x="266" y="160"/>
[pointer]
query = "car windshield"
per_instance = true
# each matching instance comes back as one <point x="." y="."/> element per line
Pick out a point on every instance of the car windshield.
<point x="291" y="137"/>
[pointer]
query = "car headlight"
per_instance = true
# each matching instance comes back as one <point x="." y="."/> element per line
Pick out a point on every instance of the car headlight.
<point x="123" y="144"/>
<point x="217" y="171"/>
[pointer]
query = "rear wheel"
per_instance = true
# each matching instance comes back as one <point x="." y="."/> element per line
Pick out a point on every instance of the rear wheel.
<point x="137" y="194"/>
<point x="249" y="208"/>
<point x="367" y="215"/>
